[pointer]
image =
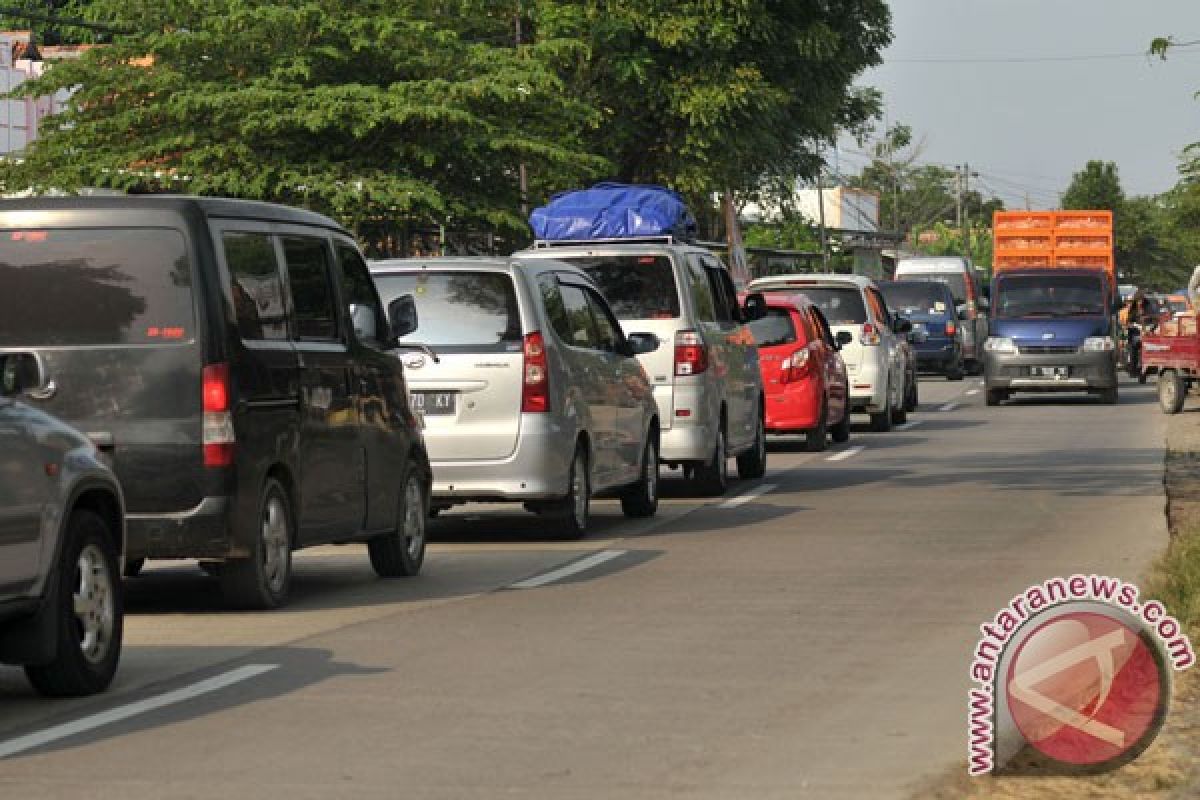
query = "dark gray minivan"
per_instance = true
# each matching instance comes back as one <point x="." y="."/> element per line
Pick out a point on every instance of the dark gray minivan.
<point x="228" y="358"/>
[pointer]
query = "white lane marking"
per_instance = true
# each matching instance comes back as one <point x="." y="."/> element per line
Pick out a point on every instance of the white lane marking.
<point x="972" y="391"/>
<point x="595" y="559"/>
<point x="83" y="725"/>
<point x="908" y="426"/>
<point x="753" y="494"/>
<point x="948" y="407"/>
<point x="842" y="456"/>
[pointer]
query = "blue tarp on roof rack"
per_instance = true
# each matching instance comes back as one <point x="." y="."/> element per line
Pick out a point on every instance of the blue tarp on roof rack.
<point x="613" y="211"/>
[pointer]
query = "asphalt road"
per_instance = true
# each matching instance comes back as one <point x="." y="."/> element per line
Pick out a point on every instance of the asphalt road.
<point x="806" y="636"/>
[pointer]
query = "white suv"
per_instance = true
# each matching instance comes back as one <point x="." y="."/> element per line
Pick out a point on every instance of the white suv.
<point x="877" y="359"/>
<point x="706" y="377"/>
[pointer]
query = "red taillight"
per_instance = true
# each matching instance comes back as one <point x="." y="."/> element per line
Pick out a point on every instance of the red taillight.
<point x="870" y="335"/>
<point x="691" y="354"/>
<point x="535" y="389"/>
<point x="218" y="437"/>
<point x="795" y="367"/>
<point x="951" y="328"/>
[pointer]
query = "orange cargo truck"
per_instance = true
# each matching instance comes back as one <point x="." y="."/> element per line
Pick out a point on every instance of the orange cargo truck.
<point x="1053" y="305"/>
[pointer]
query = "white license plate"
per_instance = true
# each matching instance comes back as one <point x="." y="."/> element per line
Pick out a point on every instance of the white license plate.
<point x="432" y="403"/>
<point x="1050" y="372"/>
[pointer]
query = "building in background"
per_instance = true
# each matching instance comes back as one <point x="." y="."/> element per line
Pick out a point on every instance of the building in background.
<point x="21" y="118"/>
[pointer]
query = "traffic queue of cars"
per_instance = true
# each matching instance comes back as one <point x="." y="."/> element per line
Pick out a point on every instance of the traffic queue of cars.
<point x="229" y="381"/>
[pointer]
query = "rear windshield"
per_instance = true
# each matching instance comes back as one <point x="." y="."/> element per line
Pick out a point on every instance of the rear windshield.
<point x="99" y="286"/>
<point x="1049" y="295"/>
<point x="468" y="311"/>
<point x="636" y="287"/>
<point x="840" y="306"/>
<point x="916" y="298"/>
<point x="774" y="329"/>
<point x="955" y="280"/>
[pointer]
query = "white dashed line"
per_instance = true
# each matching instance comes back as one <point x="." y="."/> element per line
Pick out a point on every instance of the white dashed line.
<point x="594" y="560"/>
<point x="842" y="456"/>
<point x="753" y="494"/>
<point x="972" y="391"/>
<point x="908" y="426"/>
<point x="948" y="407"/>
<point x="120" y="713"/>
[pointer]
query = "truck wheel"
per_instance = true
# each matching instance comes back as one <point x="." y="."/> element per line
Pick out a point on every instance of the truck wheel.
<point x="996" y="396"/>
<point x="882" y="422"/>
<point x="90" y="613"/>
<point x="1172" y="391"/>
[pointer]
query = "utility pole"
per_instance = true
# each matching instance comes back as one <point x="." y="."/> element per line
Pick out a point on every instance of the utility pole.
<point x="522" y="172"/>
<point x="821" y="216"/>
<point x="966" y="213"/>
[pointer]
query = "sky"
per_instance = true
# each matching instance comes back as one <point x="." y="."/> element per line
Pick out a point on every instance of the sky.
<point x="1027" y="127"/>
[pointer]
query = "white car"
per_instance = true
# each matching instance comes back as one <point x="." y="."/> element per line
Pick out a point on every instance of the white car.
<point x="877" y="360"/>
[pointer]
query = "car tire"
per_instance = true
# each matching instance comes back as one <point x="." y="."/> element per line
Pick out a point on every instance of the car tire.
<point x="570" y="515"/>
<point x="641" y="499"/>
<point x="90" y="612"/>
<point x="262" y="581"/>
<point x="1172" y="392"/>
<point x="840" y="433"/>
<point x="1109" y="397"/>
<point x="912" y="396"/>
<point x="133" y="567"/>
<point x="956" y="372"/>
<point x="400" y="553"/>
<point x="712" y="478"/>
<point x="816" y="439"/>
<point x="882" y="421"/>
<point x="996" y="396"/>
<point x="752" y="464"/>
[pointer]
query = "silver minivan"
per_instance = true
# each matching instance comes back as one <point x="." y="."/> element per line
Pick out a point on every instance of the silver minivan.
<point x="706" y="380"/>
<point x="529" y="389"/>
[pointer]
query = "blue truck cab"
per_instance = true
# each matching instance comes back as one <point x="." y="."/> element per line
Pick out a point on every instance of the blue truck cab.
<point x="1052" y="330"/>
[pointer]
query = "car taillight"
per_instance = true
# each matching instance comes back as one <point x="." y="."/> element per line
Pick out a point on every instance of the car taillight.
<point x="691" y="354"/>
<point x="795" y="367"/>
<point x="870" y="335"/>
<point x="218" y="438"/>
<point x="951" y="328"/>
<point x="535" y="389"/>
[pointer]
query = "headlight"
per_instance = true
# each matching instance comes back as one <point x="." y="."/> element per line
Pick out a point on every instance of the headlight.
<point x="1000" y="344"/>
<point x="1098" y="344"/>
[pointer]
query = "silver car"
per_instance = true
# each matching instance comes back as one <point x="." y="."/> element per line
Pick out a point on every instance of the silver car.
<point x="62" y="536"/>
<point x="708" y="385"/>
<point x="529" y="390"/>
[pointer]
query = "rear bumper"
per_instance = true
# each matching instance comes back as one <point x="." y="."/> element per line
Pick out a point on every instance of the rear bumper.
<point x="796" y="407"/>
<point x="868" y="387"/>
<point x="938" y="355"/>
<point x="537" y="469"/>
<point x="695" y="419"/>
<point x="200" y="532"/>
<point x="1086" y="371"/>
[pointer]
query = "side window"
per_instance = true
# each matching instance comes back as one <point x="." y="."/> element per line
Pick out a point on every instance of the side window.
<point x="552" y="301"/>
<point x="735" y="313"/>
<point x="810" y="330"/>
<point x="702" y="292"/>
<point x="878" y="307"/>
<point x="312" y="291"/>
<point x="257" y="287"/>
<point x="606" y="326"/>
<point x="823" y="327"/>
<point x="721" y="299"/>
<point x="579" y="328"/>
<point x="362" y="301"/>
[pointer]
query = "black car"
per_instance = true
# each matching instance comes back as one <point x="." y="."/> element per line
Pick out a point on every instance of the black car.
<point x="229" y="359"/>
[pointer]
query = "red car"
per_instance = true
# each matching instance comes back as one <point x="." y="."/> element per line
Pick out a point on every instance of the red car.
<point x="802" y="371"/>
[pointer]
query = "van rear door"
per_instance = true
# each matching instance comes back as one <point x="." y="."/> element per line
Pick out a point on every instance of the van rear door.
<point x="471" y="397"/>
<point x="112" y="311"/>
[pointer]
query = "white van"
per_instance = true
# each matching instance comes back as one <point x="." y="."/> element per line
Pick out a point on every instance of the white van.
<point x="957" y="273"/>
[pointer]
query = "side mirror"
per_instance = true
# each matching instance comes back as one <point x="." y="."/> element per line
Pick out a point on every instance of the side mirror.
<point x="902" y="325"/>
<point x="640" y="343"/>
<point x="755" y="307"/>
<point x="363" y="318"/>
<point x="23" y="374"/>
<point x="402" y="314"/>
<point x="844" y="338"/>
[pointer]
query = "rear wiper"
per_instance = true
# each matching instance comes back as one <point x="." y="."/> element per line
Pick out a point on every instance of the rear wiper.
<point x="424" y="348"/>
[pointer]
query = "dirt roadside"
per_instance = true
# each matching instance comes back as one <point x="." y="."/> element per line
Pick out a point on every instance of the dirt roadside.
<point x="1170" y="769"/>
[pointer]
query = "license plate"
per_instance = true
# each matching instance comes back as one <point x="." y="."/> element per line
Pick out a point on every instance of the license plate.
<point x="1050" y="372"/>
<point x="432" y="403"/>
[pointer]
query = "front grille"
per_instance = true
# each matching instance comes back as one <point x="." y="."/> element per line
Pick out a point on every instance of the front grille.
<point x="1047" y="350"/>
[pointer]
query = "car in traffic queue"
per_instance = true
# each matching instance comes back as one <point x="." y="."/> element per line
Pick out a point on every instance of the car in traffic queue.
<point x="529" y="388"/>
<point x="971" y="304"/>
<point x="62" y="540"/>
<point x="706" y="378"/>
<point x="803" y="372"/>
<point x="936" y="335"/>
<point x="229" y="358"/>
<point x="879" y="361"/>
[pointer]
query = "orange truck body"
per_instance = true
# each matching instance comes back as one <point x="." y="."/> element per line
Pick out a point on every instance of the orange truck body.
<point x="1038" y="240"/>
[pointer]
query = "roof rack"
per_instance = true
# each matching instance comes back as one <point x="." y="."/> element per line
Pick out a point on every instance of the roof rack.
<point x="548" y="243"/>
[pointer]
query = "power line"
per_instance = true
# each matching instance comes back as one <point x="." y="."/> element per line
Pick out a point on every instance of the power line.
<point x="1145" y="54"/>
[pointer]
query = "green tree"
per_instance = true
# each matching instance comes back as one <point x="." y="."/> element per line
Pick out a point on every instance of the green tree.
<point x="1097" y="186"/>
<point x="364" y="109"/>
<point x="713" y="94"/>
